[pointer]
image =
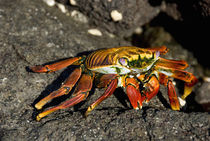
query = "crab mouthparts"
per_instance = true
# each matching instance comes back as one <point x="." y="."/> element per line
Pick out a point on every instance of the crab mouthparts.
<point x="140" y="70"/>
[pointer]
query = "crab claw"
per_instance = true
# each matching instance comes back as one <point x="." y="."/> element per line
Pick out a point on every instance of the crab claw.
<point x="151" y="88"/>
<point x="133" y="93"/>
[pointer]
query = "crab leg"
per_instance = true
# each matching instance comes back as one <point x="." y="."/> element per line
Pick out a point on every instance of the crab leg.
<point x="176" y="73"/>
<point x="189" y="86"/>
<point x="65" y="88"/>
<point x="108" y="92"/>
<point x="105" y="80"/>
<point x="161" y="49"/>
<point x="189" y="78"/>
<point x="181" y="64"/>
<point x="134" y="95"/>
<point x="80" y="94"/>
<point x="173" y="99"/>
<point x="56" y="66"/>
<point x="151" y="88"/>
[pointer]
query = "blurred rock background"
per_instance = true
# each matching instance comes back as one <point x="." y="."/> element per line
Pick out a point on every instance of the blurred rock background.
<point x="37" y="32"/>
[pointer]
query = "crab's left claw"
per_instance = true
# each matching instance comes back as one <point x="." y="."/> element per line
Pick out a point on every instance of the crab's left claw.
<point x="80" y="94"/>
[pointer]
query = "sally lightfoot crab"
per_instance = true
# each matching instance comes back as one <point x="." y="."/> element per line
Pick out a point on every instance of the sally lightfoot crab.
<point x="139" y="71"/>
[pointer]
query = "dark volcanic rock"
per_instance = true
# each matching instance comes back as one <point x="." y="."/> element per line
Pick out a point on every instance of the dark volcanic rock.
<point x="135" y="13"/>
<point x="33" y="33"/>
<point x="203" y="95"/>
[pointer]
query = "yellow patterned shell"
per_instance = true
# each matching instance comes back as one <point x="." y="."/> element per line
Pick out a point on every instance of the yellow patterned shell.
<point x="138" y="58"/>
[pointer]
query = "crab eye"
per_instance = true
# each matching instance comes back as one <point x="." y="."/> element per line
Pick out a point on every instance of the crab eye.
<point x="157" y="54"/>
<point x="123" y="61"/>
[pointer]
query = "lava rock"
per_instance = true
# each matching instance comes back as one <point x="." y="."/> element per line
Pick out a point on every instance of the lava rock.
<point x="203" y="96"/>
<point x="133" y="14"/>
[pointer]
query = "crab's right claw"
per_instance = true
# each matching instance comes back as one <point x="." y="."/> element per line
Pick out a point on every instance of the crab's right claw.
<point x="133" y="93"/>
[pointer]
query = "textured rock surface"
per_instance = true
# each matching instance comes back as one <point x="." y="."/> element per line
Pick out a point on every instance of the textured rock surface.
<point x="135" y="13"/>
<point x="32" y="34"/>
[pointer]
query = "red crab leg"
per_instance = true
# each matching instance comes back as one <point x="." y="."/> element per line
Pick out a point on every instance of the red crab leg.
<point x="176" y="73"/>
<point x="189" y="86"/>
<point x="65" y="88"/>
<point x="104" y="80"/>
<point x="180" y="64"/>
<point x="174" y="101"/>
<point x="161" y="49"/>
<point x="151" y="88"/>
<point x="188" y="77"/>
<point x="108" y="92"/>
<point x="55" y="66"/>
<point x="133" y="93"/>
<point x="80" y="94"/>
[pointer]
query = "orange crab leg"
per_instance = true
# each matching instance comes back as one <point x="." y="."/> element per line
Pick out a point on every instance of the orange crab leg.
<point x="181" y="64"/>
<point x="80" y="94"/>
<point x="161" y="49"/>
<point x="108" y="92"/>
<point x="173" y="99"/>
<point x="188" y="77"/>
<point x="65" y="88"/>
<point x="151" y="88"/>
<point x="56" y="66"/>
<point x="133" y="93"/>
<point x="176" y="73"/>
<point x="189" y="86"/>
<point x="104" y="80"/>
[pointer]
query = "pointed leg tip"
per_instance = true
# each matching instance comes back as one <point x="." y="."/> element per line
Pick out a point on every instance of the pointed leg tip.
<point x="38" y="68"/>
<point x="35" y="68"/>
<point x="38" y="118"/>
<point x="182" y="101"/>
<point x="86" y="114"/>
<point x="38" y="107"/>
<point x="90" y="108"/>
<point x="138" y="108"/>
<point x="187" y="91"/>
<point x="175" y="108"/>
